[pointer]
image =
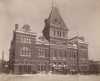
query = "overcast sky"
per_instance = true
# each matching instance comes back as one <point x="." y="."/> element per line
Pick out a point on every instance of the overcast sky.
<point x="81" y="17"/>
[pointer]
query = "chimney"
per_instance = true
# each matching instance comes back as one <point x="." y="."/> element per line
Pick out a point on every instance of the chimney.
<point x="16" y="27"/>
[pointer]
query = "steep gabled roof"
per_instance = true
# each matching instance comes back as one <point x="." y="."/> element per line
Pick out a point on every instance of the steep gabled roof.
<point x="56" y="19"/>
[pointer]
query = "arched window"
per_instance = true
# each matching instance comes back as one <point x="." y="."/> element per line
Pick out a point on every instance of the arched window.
<point x="57" y="33"/>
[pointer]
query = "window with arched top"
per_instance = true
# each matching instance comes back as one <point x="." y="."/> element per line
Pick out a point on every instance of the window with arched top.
<point x="57" y="33"/>
<point x="25" y="51"/>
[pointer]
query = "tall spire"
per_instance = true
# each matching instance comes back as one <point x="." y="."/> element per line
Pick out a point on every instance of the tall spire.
<point x="55" y="16"/>
<point x="52" y="3"/>
<point x="55" y="24"/>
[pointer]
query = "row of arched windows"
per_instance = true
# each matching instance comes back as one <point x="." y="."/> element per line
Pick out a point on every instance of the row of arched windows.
<point x="59" y="33"/>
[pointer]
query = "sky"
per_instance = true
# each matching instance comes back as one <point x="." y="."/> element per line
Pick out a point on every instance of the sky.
<point x="82" y="17"/>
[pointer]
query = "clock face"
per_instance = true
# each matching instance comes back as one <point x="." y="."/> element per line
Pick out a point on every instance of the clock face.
<point x="56" y="21"/>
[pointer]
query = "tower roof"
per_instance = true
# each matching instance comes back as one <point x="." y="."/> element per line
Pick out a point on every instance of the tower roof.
<point x="55" y="24"/>
<point x="55" y="18"/>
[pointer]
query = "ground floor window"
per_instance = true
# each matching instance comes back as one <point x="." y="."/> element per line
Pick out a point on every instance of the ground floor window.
<point x="25" y="68"/>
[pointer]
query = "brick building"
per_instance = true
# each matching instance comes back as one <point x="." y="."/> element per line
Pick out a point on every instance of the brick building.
<point x="23" y="50"/>
<point x="51" y="52"/>
<point x="82" y="53"/>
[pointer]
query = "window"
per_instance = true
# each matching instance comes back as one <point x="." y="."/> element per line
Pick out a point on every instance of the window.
<point x="25" y="48"/>
<point x="25" y="40"/>
<point x="25" y="51"/>
<point x="41" y="52"/>
<point x="58" y="33"/>
<point x="41" y="66"/>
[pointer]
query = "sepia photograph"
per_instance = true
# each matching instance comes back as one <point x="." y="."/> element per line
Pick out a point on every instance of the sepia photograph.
<point x="49" y="40"/>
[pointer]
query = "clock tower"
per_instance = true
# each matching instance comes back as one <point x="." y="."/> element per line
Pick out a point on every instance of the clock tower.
<point x="55" y="30"/>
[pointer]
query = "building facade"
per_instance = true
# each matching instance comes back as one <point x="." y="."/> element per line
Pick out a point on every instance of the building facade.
<point x="23" y="50"/>
<point x="51" y="52"/>
<point x="94" y="67"/>
<point x="82" y="53"/>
